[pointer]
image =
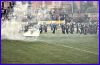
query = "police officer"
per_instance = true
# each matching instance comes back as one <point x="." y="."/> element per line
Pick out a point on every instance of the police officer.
<point x="41" y="28"/>
<point x="67" y="28"/>
<point x="77" y="28"/>
<point x="54" y="28"/>
<point x="45" y="28"/>
<point x="85" y="29"/>
<point x="71" y="28"/>
<point x="82" y="29"/>
<point x="63" y="28"/>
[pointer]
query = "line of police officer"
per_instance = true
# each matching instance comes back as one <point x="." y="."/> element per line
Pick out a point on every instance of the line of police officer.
<point x="82" y="28"/>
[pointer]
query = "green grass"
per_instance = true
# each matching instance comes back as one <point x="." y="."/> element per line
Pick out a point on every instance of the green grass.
<point x="52" y="48"/>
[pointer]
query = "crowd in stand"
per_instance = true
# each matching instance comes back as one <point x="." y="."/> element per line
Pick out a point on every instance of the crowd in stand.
<point x="81" y="25"/>
<point x="7" y="10"/>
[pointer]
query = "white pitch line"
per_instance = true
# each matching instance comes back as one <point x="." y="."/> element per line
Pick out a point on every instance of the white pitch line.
<point x="78" y="49"/>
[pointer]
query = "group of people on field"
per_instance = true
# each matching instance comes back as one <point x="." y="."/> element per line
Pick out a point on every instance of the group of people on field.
<point x="82" y="28"/>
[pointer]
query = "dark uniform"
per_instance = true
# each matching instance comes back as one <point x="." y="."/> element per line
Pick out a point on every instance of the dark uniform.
<point x="41" y="29"/>
<point x="82" y="29"/>
<point x="63" y="28"/>
<point x="67" y="28"/>
<point x="91" y="28"/>
<point x="77" y="28"/>
<point x="45" y="28"/>
<point x="85" y="29"/>
<point x="54" y="28"/>
<point x="72" y="28"/>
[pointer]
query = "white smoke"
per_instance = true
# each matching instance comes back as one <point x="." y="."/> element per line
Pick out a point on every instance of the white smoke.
<point x="12" y="29"/>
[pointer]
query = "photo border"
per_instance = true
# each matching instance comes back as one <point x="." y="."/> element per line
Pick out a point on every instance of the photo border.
<point x="53" y="63"/>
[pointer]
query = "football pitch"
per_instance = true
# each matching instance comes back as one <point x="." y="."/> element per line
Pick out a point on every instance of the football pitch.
<point x="52" y="48"/>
